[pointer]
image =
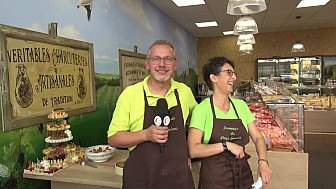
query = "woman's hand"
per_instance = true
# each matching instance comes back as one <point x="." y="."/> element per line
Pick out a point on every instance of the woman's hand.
<point x="237" y="150"/>
<point x="264" y="172"/>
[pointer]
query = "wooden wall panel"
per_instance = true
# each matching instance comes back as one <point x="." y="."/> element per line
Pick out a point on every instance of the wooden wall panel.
<point x="316" y="42"/>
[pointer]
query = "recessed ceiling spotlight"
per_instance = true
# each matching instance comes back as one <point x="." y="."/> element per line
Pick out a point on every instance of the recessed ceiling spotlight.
<point x="312" y="3"/>
<point x="183" y="3"/>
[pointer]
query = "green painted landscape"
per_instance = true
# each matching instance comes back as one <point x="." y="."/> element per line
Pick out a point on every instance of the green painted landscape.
<point x="88" y="129"/>
<point x="25" y="144"/>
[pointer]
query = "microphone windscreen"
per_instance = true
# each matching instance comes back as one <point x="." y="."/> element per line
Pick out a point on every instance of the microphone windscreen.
<point x="161" y="107"/>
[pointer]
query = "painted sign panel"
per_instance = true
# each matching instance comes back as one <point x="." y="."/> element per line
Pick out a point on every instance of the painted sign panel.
<point x="132" y="68"/>
<point x="43" y="75"/>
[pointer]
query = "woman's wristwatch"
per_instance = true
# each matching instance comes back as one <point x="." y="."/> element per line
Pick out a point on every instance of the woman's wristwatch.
<point x="264" y="160"/>
<point x="224" y="146"/>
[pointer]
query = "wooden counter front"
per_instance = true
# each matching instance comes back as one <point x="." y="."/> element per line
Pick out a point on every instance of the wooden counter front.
<point x="290" y="170"/>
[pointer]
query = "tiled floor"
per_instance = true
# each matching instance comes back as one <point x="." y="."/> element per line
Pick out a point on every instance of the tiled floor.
<point x="322" y="160"/>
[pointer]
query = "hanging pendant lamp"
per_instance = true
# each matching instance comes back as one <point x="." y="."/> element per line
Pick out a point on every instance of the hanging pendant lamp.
<point x="245" y="25"/>
<point x="245" y="52"/>
<point x="245" y="47"/>
<point x="246" y="39"/>
<point x="245" y="7"/>
<point x="298" y="47"/>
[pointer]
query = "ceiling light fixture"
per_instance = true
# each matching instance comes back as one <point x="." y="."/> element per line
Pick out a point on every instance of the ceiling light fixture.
<point x="246" y="52"/>
<point x="245" y="47"/>
<point x="245" y="25"/>
<point x="206" y="24"/>
<point x="245" y="7"/>
<point x="183" y="3"/>
<point x="298" y="47"/>
<point x="246" y="39"/>
<point x="312" y="3"/>
<point x="228" y="33"/>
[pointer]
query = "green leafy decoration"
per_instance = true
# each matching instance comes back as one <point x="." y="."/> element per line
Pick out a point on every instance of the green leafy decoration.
<point x="26" y="142"/>
<point x="8" y="151"/>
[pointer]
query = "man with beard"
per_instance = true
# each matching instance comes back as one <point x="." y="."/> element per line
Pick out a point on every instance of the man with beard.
<point x="133" y="125"/>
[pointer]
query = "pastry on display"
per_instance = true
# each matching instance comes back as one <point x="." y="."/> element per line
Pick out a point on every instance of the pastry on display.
<point x="45" y="167"/>
<point x="58" y="130"/>
<point x="58" y="138"/>
<point x="57" y="115"/>
<point x="59" y="152"/>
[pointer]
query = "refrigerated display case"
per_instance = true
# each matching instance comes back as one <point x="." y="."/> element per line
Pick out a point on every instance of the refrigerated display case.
<point x="320" y="110"/>
<point x="293" y="71"/>
<point x="288" y="113"/>
<point x="278" y="69"/>
<point x="326" y="100"/>
<point x="279" y="115"/>
<point x="290" y="118"/>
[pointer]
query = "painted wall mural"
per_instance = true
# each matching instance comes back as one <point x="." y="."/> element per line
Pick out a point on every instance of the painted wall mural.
<point x="110" y="25"/>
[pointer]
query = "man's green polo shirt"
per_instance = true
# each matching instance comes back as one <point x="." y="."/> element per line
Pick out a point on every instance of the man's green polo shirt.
<point x="129" y="112"/>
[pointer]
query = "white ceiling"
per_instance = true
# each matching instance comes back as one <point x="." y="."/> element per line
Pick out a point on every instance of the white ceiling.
<point x="279" y="16"/>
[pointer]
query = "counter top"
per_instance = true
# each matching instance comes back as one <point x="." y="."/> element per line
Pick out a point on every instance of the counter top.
<point x="290" y="170"/>
<point x="103" y="175"/>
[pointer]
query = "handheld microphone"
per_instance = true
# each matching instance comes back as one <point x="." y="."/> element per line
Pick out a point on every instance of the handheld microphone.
<point x="161" y="119"/>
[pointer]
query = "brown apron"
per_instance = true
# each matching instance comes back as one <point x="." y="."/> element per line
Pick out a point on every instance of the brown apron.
<point x="147" y="168"/>
<point x="223" y="170"/>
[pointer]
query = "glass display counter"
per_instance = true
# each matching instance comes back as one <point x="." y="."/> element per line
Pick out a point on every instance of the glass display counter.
<point x="320" y="108"/>
<point x="293" y="71"/>
<point x="279" y="116"/>
<point x="290" y="118"/>
<point x="325" y="99"/>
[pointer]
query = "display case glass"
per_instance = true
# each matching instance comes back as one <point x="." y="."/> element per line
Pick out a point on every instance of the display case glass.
<point x="324" y="100"/>
<point x="288" y="113"/>
<point x="294" y="71"/>
<point x="279" y="69"/>
<point x="290" y="118"/>
<point x="279" y="115"/>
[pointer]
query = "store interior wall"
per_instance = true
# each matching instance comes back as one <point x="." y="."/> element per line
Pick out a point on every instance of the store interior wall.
<point x="117" y="24"/>
<point x="268" y="45"/>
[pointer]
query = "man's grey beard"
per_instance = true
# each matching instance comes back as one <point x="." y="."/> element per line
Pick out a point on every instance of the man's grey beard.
<point x="166" y="79"/>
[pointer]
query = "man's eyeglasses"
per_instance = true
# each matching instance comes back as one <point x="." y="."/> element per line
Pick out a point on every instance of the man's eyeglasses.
<point x="230" y="72"/>
<point x="167" y="60"/>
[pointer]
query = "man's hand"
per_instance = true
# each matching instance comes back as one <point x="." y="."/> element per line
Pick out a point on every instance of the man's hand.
<point x="157" y="134"/>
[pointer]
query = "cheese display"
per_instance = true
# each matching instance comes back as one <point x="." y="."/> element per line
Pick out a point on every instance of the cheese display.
<point x="318" y="102"/>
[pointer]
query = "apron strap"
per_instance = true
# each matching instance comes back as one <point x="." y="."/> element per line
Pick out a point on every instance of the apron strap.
<point x="213" y="109"/>
<point x="234" y="108"/>
<point x="177" y="97"/>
